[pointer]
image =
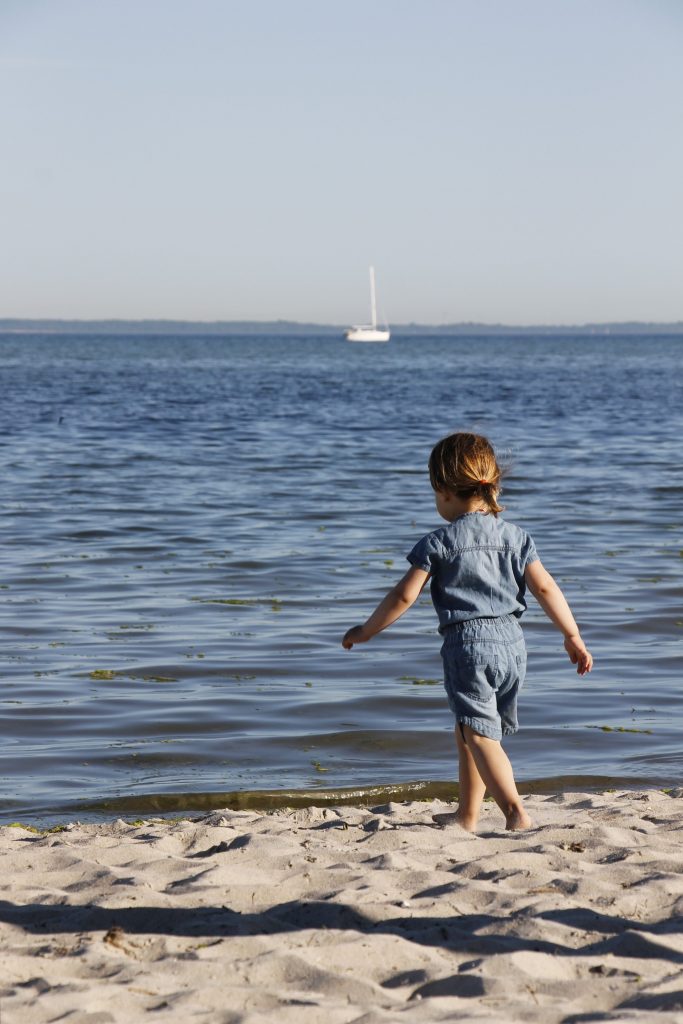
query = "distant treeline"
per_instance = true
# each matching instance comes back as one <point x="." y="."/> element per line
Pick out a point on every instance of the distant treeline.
<point x="286" y="328"/>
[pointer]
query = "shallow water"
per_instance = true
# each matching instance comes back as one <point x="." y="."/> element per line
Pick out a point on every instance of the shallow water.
<point x="190" y="524"/>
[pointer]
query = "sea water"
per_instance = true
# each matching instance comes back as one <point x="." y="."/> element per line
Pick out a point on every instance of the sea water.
<point x="189" y="525"/>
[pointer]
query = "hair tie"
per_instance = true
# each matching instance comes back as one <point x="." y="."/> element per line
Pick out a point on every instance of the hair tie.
<point x="484" y="482"/>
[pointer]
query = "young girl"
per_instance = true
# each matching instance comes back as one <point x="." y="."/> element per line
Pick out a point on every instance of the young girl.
<point x="480" y="567"/>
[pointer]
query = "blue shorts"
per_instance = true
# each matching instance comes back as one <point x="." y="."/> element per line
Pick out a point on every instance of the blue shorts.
<point x="484" y="663"/>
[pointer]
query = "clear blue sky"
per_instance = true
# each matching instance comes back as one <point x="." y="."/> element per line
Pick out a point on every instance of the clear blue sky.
<point x="516" y="161"/>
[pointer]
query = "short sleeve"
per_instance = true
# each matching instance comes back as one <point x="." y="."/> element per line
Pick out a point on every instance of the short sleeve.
<point x="529" y="553"/>
<point x="425" y="553"/>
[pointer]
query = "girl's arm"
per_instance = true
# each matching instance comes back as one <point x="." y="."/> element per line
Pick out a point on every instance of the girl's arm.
<point x="397" y="601"/>
<point x="554" y="604"/>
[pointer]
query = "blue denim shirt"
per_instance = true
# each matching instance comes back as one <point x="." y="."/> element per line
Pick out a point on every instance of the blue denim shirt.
<point x="477" y="565"/>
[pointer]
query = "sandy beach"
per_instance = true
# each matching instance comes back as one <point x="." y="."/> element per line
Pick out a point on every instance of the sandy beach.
<point x="350" y="914"/>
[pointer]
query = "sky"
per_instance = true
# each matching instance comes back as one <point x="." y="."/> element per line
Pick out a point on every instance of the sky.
<point x="497" y="161"/>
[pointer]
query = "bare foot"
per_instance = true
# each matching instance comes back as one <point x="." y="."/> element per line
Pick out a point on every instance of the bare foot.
<point x="518" y="820"/>
<point x="456" y="818"/>
<point x="466" y="822"/>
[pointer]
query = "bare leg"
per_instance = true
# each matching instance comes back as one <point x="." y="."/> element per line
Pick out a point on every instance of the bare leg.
<point x="471" y="785"/>
<point x="495" y="769"/>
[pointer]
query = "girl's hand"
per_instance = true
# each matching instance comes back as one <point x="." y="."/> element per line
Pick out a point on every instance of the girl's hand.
<point x="579" y="654"/>
<point x="355" y="635"/>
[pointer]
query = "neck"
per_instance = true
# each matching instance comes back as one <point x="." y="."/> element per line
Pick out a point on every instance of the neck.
<point x="471" y="505"/>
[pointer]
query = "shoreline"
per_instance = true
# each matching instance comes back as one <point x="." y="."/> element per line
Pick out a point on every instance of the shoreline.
<point x="187" y="805"/>
<point x="350" y="913"/>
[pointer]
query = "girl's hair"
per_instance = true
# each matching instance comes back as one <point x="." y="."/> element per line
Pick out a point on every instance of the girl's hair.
<point x="465" y="465"/>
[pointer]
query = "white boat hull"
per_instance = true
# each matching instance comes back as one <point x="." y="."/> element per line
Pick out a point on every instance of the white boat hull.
<point x="367" y="334"/>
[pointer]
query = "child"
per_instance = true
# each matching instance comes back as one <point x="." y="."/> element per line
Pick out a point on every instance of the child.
<point x="480" y="567"/>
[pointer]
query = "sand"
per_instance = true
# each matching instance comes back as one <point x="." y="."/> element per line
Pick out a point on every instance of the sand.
<point x="345" y="914"/>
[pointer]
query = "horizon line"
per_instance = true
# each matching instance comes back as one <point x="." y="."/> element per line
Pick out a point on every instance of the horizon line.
<point x="6" y="321"/>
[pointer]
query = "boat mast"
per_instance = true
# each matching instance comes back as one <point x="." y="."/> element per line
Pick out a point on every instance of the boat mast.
<point x="373" y="308"/>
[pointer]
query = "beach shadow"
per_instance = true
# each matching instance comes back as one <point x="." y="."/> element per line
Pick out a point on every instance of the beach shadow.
<point x="655" y="1002"/>
<point x="592" y="920"/>
<point x="459" y="933"/>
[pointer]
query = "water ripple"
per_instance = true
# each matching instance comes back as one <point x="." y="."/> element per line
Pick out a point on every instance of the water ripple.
<point x="190" y="524"/>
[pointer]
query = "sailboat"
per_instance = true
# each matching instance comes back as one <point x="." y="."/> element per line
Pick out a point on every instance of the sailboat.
<point x="369" y="332"/>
